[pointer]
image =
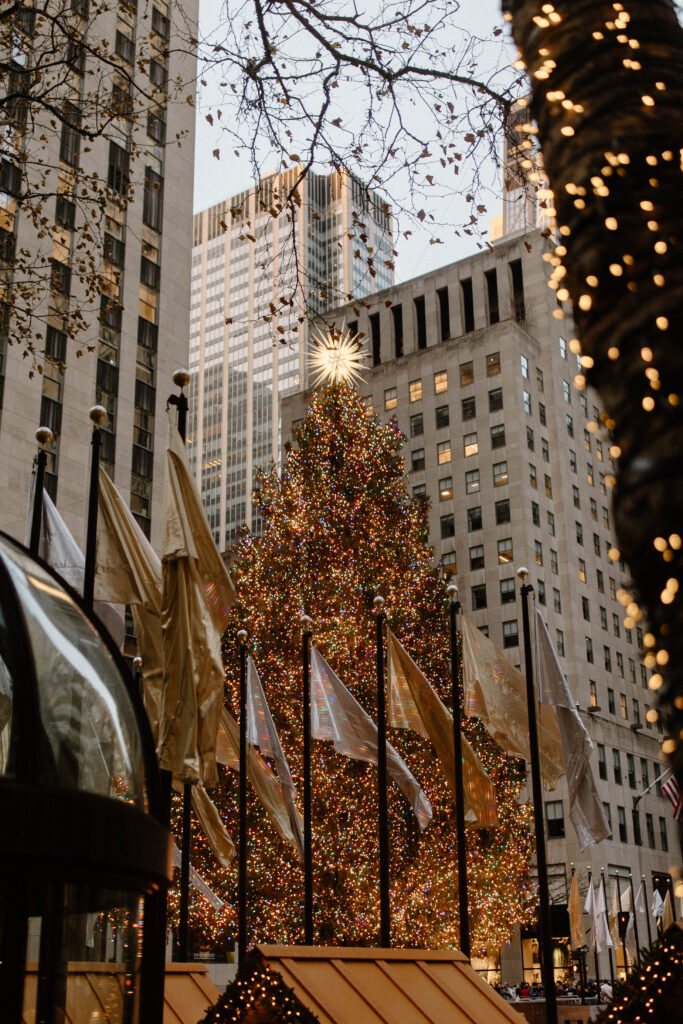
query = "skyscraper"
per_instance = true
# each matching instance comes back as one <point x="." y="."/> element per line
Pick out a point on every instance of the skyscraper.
<point x="261" y="264"/>
<point x="136" y="333"/>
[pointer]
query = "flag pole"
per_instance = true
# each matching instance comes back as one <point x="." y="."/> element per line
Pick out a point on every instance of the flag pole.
<point x="622" y="937"/>
<point x="595" y="943"/>
<point x="306" y="623"/>
<point x="384" y="904"/>
<point x="242" y="871"/>
<point x="647" y="911"/>
<point x="547" y="972"/>
<point x="582" y="954"/>
<point x="454" y="608"/>
<point x="635" y="918"/>
<point x="181" y="378"/>
<point x="43" y="436"/>
<point x="609" y="948"/>
<point x="98" y="415"/>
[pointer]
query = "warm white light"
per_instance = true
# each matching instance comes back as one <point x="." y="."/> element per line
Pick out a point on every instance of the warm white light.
<point x="336" y="357"/>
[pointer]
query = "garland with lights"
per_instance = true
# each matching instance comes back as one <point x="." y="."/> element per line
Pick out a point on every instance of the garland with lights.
<point x="339" y="526"/>
<point x="258" y="996"/>
<point x="652" y="992"/>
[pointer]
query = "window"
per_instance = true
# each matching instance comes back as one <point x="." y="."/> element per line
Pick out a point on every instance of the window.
<point x="417" y="458"/>
<point x="608" y="815"/>
<point x="507" y="591"/>
<point x="598" y="449"/>
<point x="470" y="445"/>
<point x="620" y="664"/>
<point x="420" y="491"/>
<point x="596" y="544"/>
<point x="478" y="597"/>
<point x="415" y="390"/>
<point x="158" y="76"/>
<point x="605" y="517"/>
<point x="538" y="552"/>
<point x="602" y="761"/>
<point x="541" y="414"/>
<point x="390" y="399"/>
<point x="440" y="382"/>
<point x="631" y="666"/>
<point x="650" y="830"/>
<point x="535" y="514"/>
<point x="472" y="481"/>
<point x="160" y="23"/>
<point x="466" y="373"/>
<point x="586" y="440"/>
<point x="532" y="475"/>
<point x="447" y="526"/>
<point x="589" y="473"/>
<point x="616" y="765"/>
<point x="474" y="518"/>
<point x="611" y="706"/>
<point x="502" y="512"/>
<point x="505" y="551"/>
<point x="572" y="460"/>
<point x="540" y="591"/>
<point x="565" y="391"/>
<point x="593" y="693"/>
<point x="446" y="488"/>
<point x="153" y="199"/>
<point x="607" y="654"/>
<point x="631" y="771"/>
<point x="621" y="818"/>
<point x="553" y="562"/>
<point x="498" y="436"/>
<point x="585" y="607"/>
<point x="448" y="563"/>
<point x="557" y="600"/>
<point x="636" y="710"/>
<point x="500" y="474"/>
<point x="492" y="296"/>
<point x="493" y="364"/>
<point x="443" y="417"/>
<point x="416" y="425"/>
<point x="554" y="816"/>
<point x="663" y="838"/>
<point x="526" y="398"/>
<point x="530" y="438"/>
<point x="624" y="713"/>
<point x="559" y="638"/>
<point x="443" y="452"/>
<point x="467" y="304"/>
<point x="563" y="348"/>
<point x="551" y="524"/>
<point x="579" y="533"/>
<point x="525" y="367"/>
<point x="603" y="617"/>
<point x="469" y="408"/>
<point x="376" y="337"/>
<point x="444" y="313"/>
<point x="477" y="557"/>
<point x="539" y="378"/>
<point x="119" y="163"/>
<point x="594" y="509"/>
<point x="397" y="320"/>
<point x="548" y="484"/>
<point x="576" y="497"/>
<point x="582" y="570"/>
<point x="570" y="425"/>
<point x="601" y="582"/>
<point x="589" y="650"/>
<point x="124" y="48"/>
<point x="612" y="589"/>
<point x="517" y="279"/>
<point x="545" y="449"/>
<point x="510" y="634"/>
<point x="637" y="836"/>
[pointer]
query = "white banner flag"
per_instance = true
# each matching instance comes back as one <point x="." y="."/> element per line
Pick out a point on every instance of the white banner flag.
<point x="261" y="732"/>
<point x="657" y="905"/>
<point x="585" y="808"/>
<point x="603" y="939"/>
<point x="336" y="715"/>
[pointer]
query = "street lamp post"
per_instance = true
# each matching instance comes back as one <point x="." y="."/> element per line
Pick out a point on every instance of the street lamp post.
<point x="44" y="436"/>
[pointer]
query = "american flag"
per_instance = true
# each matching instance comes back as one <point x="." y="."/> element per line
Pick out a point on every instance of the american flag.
<point x="671" y="789"/>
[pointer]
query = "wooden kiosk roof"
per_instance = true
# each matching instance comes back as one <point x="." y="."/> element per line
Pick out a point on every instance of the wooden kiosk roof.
<point x="346" y="985"/>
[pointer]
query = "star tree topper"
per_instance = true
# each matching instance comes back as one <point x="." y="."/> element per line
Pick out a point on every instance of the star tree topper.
<point x="336" y="357"/>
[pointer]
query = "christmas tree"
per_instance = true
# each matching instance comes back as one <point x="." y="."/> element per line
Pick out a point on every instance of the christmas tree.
<point x="339" y="528"/>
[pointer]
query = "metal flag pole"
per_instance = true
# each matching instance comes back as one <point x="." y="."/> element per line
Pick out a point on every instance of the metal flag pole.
<point x="306" y="623"/>
<point x="609" y="950"/>
<point x="98" y="415"/>
<point x="647" y="911"/>
<point x="595" y="943"/>
<point x="242" y="865"/>
<point x="454" y="608"/>
<point x="546" y="950"/>
<point x="581" y="955"/>
<point x="181" y="378"/>
<point x="384" y="904"/>
<point x="43" y="436"/>
<point x="635" y="918"/>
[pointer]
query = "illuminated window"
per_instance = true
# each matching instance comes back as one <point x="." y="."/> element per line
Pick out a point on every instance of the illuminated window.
<point x="505" y="551"/>
<point x="493" y="364"/>
<point x="466" y="373"/>
<point x="538" y="552"/>
<point x="472" y="481"/>
<point x="443" y="452"/>
<point x="593" y="700"/>
<point x="440" y="382"/>
<point x="470" y="444"/>
<point x="525" y="366"/>
<point x="446" y="488"/>
<point x="390" y="400"/>
<point x="500" y="474"/>
<point x="448" y="563"/>
<point x="582" y="570"/>
<point x="415" y="390"/>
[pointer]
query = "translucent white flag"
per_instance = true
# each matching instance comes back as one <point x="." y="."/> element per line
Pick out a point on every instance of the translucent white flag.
<point x="336" y="715"/>
<point x="657" y="905"/>
<point x="261" y="732"/>
<point x="603" y="939"/>
<point x="585" y="807"/>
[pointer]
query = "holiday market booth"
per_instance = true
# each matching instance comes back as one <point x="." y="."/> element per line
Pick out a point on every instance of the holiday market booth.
<point x="84" y="861"/>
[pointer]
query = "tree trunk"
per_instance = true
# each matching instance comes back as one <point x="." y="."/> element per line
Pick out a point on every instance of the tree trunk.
<point x="622" y="63"/>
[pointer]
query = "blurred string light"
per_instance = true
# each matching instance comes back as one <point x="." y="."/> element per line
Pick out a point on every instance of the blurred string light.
<point x="339" y="526"/>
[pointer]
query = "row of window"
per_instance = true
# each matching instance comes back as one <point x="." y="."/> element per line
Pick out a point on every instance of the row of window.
<point x="468" y="405"/>
<point x="554" y="816"/>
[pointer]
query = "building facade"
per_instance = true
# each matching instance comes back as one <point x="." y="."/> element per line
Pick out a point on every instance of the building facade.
<point x="516" y="466"/>
<point x="260" y="266"/>
<point x="137" y="326"/>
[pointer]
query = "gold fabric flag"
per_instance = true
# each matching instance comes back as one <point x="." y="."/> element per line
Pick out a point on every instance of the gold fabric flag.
<point x="667" y="912"/>
<point x="196" y="594"/>
<point x="575" y="913"/>
<point x="259" y="774"/>
<point x="414" y="704"/>
<point x="495" y="691"/>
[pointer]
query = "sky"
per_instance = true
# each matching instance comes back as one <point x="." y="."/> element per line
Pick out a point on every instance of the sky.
<point x="216" y="180"/>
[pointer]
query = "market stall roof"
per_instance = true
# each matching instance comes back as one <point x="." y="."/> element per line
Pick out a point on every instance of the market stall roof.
<point x="345" y="985"/>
